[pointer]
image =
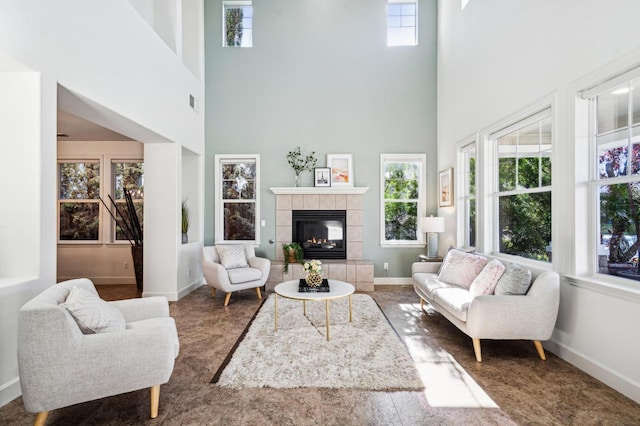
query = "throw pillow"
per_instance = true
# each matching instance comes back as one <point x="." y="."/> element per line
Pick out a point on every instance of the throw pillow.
<point x="232" y="256"/>
<point x="460" y="268"/>
<point x="93" y="314"/>
<point x="486" y="281"/>
<point x="516" y="280"/>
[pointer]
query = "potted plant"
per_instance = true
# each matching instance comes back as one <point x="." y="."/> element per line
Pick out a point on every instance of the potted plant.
<point x="185" y="222"/>
<point x="299" y="163"/>
<point x="293" y="253"/>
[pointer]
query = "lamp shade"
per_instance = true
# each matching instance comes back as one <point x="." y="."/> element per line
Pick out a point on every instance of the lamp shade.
<point x="432" y="224"/>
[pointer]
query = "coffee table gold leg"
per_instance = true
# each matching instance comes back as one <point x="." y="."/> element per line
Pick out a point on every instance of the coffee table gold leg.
<point x="276" y="308"/>
<point x="350" y="312"/>
<point x="304" y="308"/>
<point x="327" y="312"/>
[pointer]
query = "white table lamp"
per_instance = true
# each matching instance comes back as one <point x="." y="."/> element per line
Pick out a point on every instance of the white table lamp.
<point x="431" y="226"/>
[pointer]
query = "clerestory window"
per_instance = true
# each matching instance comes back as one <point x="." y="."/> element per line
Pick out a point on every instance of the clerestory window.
<point x="237" y="24"/>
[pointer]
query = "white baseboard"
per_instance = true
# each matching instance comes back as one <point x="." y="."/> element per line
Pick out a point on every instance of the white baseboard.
<point x="10" y="391"/>
<point x="392" y="281"/>
<point x="620" y="383"/>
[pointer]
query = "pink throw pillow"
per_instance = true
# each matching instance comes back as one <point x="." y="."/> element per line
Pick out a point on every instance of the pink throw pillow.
<point x="485" y="282"/>
<point x="460" y="268"/>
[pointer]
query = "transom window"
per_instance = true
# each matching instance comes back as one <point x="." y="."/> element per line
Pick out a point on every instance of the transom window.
<point x="523" y="180"/>
<point x="237" y="198"/>
<point x="402" y="23"/>
<point x="403" y="199"/>
<point x="237" y="25"/>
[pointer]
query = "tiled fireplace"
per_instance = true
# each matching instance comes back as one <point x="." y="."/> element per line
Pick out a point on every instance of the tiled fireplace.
<point x="354" y="269"/>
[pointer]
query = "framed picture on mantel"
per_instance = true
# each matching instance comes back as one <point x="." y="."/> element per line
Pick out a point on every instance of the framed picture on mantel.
<point x="322" y="176"/>
<point x="341" y="166"/>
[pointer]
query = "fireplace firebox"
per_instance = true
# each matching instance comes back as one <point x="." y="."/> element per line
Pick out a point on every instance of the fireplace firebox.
<point x="321" y="233"/>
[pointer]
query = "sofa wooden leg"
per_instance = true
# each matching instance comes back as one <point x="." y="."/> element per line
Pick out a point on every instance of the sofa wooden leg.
<point x="226" y="299"/>
<point x="476" y="349"/>
<point x="258" y="292"/>
<point x="421" y="303"/>
<point x="213" y="292"/>
<point x="155" y="400"/>
<point x="540" y="349"/>
<point x="41" y="418"/>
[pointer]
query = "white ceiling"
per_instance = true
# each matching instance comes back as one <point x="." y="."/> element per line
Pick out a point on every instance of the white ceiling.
<point x="79" y="129"/>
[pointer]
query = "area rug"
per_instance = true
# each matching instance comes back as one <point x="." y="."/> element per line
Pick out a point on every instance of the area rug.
<point x="363" y="354"/>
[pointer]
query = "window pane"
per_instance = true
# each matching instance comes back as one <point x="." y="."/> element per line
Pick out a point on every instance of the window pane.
<point x="472" y="171"/>
<point x="408" y="21"/>
<point x="408" y="8"/>
<point x="400" y="221"/>
<point x="79" y="181"/>
<point x="525" y="225"/>
<point x="79" y="221"/>
<point x="401" y="36"/>
<point x="401" y="181"/>
<point x="472" y="223"/>
<point x="394" y="9"/>
<point x="130" y="177"/>
<point x="612" y="162"/>
<point x="393" y="21"/>
<point x="612" y="109"/>
<point x="635" y="100"/>
<point x="239" y="221"/>
<point x="619" y="222"/>
<point x="238" y="23"/>
<point x="507" y="174"/>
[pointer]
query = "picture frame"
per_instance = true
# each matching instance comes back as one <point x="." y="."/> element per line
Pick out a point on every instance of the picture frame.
<point x="341" y="166"/>
<point x="445" y="188"/>
<point x="322" y="177"/>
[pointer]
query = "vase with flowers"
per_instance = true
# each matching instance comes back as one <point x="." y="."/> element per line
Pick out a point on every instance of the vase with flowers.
<point x="313" y="268"/>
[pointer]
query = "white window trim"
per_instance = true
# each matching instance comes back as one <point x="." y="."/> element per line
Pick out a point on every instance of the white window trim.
<point x="422" y="159"/>
<point x="462" y="187"/>
<point x="233" y="3"/>
<point x="487" y="232"/>
<point x="219" y="226"/>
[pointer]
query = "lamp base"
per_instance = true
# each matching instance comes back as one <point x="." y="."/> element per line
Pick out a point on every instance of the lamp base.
<point x="432" y="244"/>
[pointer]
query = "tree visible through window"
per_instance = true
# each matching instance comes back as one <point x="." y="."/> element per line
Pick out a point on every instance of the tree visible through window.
<point x="78" y="200"/>
<point x="524" y="188"/>
<point x="128" y="176"/>
<point x="468" y="153"/>
<point x="402" y="198"/>
<point x="238" y="24"/>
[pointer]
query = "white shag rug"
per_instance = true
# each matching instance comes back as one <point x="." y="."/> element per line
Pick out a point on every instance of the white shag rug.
<point x="363" y="354"/>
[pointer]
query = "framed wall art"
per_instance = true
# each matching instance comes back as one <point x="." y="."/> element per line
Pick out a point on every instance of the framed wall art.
<point x="322" y="176"/>
<point x="341" y="166"/>
<point x="445" y="188"/>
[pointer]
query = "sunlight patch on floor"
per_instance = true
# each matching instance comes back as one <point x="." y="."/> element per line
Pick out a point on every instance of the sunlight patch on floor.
<point x="447" y="383"/>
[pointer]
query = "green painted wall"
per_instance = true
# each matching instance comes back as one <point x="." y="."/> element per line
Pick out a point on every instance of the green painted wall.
<point x="319" y="75"/>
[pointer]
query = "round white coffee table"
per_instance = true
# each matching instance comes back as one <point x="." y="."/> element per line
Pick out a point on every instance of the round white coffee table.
<point x="289" y="289"/>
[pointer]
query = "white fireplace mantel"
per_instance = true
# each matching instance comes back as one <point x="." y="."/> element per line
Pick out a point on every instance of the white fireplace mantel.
<point x="349" y="190"/>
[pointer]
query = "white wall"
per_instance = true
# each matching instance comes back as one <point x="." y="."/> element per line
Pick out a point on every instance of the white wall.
<point x="105" y="55"/>
<point x="496" y="58"/>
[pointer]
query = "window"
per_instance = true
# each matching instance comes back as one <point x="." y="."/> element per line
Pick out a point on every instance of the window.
<point x="402" y="23"/>
<point x="127" y="176"/>
<point x="523" y="178"/>
<point x="616" y="177"/>
<point x="237" y="198"/>
<point x="79" y="201"/>
<point x="237" y="25"/>
<point x="468" y="181"/>
<point x="403" y="198"/>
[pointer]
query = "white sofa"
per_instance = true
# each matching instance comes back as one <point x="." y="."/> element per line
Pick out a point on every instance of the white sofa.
<point x="531" y="316"/>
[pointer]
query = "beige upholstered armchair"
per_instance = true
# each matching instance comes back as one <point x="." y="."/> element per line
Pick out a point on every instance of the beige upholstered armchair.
<point x="75" y="351"/>
<point x="234" y="267"/>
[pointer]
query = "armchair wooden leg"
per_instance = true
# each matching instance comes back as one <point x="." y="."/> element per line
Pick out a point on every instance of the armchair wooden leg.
<point x="540" y="349"/>
<point x="155" y="400"/>
<point x="476" y="349"/>
<point x="41" y="418"/>
<point x="421" y="303"/>
<point x="213" y="292"/>
<point x="258" y="291"/>
<point x="226" y="299"/>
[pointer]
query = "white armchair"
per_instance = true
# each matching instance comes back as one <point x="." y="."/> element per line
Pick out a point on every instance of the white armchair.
<point x="253" y="275"/>
<point x="60" y="366"/>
